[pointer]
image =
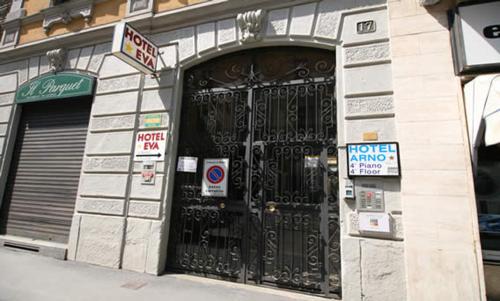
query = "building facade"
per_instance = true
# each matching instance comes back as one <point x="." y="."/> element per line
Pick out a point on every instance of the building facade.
<point x="276" y="94"/>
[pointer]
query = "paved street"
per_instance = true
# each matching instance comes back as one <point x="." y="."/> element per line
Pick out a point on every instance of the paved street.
<point x="28" y="277"/>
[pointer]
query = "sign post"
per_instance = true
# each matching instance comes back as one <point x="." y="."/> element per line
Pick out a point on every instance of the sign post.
<point x="150" y="146"/>
<point x="373" y="159"/>
<point x="215" y="173"/>
<point x="134" y="48"/>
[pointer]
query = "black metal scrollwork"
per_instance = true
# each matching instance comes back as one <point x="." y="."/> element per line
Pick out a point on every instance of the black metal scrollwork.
<point x="272" y="112"/>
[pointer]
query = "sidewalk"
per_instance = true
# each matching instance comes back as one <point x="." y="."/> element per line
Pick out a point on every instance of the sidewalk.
<point x="28" y="277"/>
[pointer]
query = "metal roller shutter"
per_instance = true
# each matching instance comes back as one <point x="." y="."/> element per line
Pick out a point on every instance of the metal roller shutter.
<point x="45" y="171"/>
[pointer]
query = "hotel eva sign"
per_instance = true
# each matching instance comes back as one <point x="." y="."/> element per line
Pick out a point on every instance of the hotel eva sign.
<point x="55" y="86"/>
<point x="134" y="48"/>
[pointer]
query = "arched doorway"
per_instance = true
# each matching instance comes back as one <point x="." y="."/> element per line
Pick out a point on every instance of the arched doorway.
<point x="272" y="113"/>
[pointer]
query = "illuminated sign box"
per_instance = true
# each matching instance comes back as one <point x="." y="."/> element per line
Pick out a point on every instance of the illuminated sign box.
<point x="475" y="32"/>
<point x="134" y="48"/>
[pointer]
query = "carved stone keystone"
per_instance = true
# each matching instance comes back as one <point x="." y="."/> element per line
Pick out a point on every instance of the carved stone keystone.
<point x="57" y="59"/>
<point x="250" y="24"/>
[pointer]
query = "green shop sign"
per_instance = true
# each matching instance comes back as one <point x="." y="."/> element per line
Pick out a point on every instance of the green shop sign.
<point x="55" y="86"/>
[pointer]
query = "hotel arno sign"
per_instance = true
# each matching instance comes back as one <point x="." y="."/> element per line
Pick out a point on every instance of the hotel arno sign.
<point x="476" y="37"/>
<point x="55" y="86"/>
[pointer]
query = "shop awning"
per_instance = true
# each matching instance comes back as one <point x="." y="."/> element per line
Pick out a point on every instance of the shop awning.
<point x="482" y="106"/>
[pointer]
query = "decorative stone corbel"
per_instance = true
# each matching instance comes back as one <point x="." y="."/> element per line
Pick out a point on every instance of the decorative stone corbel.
<point x="49" y="21"/>
<point x="250" y="24"/>
<point x="57" y="59"/>
<point x="428" y="2"/>
<point x="65" y="13"/>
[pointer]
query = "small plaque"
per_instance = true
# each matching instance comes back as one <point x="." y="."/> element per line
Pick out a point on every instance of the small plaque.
<point x="148" y="173"/>
<point x="370" y="136"/>
<point x="374" y="222"/>
<point x="152" y="120"/>
<point x="365" y="27"/>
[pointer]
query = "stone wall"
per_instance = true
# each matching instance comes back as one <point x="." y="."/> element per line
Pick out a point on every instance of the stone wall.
<point x="372" y="268"/>
<point x="12" y="75"/>
<point x="443" y="256"/>
<point x="118" y="220"/>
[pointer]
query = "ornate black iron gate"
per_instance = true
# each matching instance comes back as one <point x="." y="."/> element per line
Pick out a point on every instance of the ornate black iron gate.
<point x="272" y="112"/>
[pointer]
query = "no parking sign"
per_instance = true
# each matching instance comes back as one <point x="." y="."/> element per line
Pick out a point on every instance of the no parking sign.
<point x="215" y="173"/>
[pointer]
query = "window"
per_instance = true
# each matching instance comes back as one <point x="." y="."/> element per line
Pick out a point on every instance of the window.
<point x="487" y="184"/>
<point x="482" y="103"/>
<point x="4" y="10"/>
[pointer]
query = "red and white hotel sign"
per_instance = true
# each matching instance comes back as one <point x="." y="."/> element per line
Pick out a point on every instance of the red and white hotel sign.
<point x="150" y="146"/>
<point x="134" y="48"/>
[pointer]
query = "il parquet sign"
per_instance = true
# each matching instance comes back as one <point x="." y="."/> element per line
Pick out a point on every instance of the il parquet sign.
<point x="55" y="86"/>
<point x="134" y="48"/>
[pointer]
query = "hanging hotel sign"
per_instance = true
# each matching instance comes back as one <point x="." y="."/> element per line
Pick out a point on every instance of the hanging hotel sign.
<point x="373" y="159"/>
<point x="150" y="146"/>
<point x="215" y="173"/>
<point x="134" y="48"/>
<point x="476" y="37"/>
<point x="55" y="86"/>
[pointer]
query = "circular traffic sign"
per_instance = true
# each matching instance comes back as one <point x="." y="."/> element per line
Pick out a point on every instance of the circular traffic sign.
<point x="215" y="174"/>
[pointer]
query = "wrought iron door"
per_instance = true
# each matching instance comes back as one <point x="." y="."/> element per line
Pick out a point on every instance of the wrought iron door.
<point x="272" y="112"/>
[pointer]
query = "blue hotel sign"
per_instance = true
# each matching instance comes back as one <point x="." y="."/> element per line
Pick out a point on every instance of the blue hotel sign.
<point x="373" y="159"/>
<point x="55" y="86"/>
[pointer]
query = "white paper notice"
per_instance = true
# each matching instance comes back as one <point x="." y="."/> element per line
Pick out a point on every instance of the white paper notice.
<point x="187" y="164"/>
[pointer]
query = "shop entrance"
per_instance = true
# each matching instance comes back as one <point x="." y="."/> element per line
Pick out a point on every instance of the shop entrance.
<point x="41" y="189"/>
<point x="272" y="113"/>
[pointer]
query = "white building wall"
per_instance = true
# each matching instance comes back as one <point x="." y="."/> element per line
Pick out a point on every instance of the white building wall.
<point x="443" y="256"/>
<point x="372" y="268"/>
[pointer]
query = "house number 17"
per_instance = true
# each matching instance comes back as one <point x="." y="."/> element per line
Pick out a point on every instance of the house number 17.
<point x="366" y="27"/>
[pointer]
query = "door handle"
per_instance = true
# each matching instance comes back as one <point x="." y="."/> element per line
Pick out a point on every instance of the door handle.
<point x="271" y="207"/>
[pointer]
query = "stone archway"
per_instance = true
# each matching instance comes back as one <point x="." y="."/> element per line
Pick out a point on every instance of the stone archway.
<point x="270" y="112"/>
